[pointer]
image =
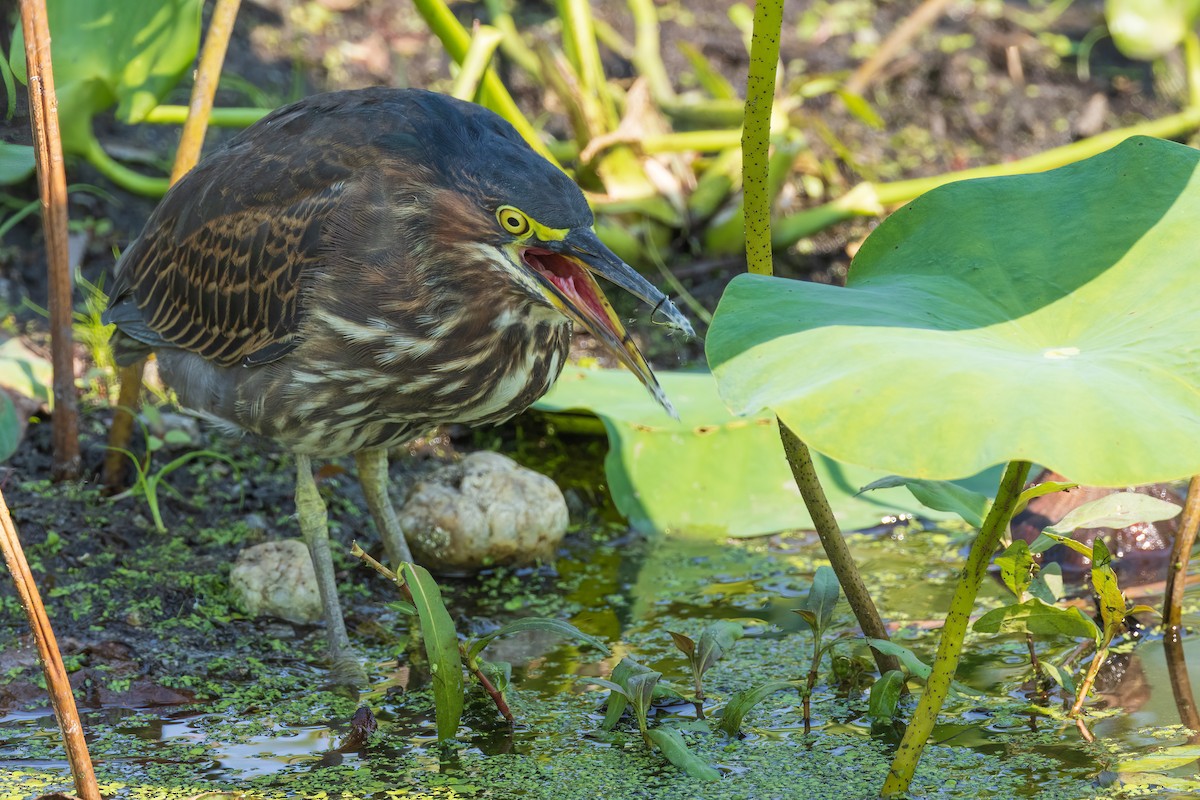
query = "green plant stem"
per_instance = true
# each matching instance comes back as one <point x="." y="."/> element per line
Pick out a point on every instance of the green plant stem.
<point x="836" y="550"/>
<point x="756" y="134"/>
<point x="122" y="175"/>
<point x="512" y="45"/>
<point x="716" y="113"/>
<point x="647" y="53"/>
<point x="1191" y="56"/>
<point x="217" y="118"/>
<point x="955" y="630"/>
<point x="454" y="37"/>
<point x="579" y="38"/>
<point x="494" y="693"/>
<point x="812" y="681"/>
<point x="868" y="199"/>
<point x="1181" y="552"/>
<point x="1089" y="679"/>
<point x="475" y="63"/>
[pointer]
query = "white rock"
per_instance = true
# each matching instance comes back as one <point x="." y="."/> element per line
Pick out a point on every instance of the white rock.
<point x="483" y="511"/>
<point x="276" y="579"/>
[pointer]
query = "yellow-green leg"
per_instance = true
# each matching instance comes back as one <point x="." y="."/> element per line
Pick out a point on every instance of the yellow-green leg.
<point x="373" y="475"/>
<point x="347" y="669"/>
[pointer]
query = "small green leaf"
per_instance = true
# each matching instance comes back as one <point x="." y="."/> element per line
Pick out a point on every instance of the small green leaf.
<point x="685" y="644"/>
<point x="1038" y="490"/>
<point x="1104" y="582"/>
<point x="612" y="686"/>
<point x="1059" y="675"/>
<point x="1016" y="567"/>
<point x="403" y="607"/>
<point x="670" y="742"/>
<point x="1047" y="586"/>
<point x="176" y="437"/>
<point x="809" y="617"/>
<point x="1163" y="760"/>
<point x="740" y="704"/>
<point x="1117" y="510"/>
<point x="885" y="696"/>
<point x="1046" y="540"/>
<point x="441" y="648"/>
<point x="714" y="641"/>
<point x="1039" y="619"/>
<point x="618" y="700"/>
<point x="639" y="688"/>
<point x="1142" y="608"/>
<point x="153" y="443"/>
<point x="548" y="624"/>
<point x="914" y="665"/>
<point x="946" y="496"/>
<point x="823" y="596"/>
<point x="908" y="659"/>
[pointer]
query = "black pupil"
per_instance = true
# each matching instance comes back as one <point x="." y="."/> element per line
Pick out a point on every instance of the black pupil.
<point x="514" y="221"/>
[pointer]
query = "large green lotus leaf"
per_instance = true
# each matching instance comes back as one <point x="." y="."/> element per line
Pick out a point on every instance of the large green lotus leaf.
<point x="711" y="473"/>
<point x="1052" y="318"/>
<point x="127" y="53"/>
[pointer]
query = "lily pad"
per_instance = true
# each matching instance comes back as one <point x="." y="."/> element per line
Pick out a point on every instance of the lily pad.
<point x="1036" y="317"/>
<point x="126" y="53"/>
<point x="711" y="473"/>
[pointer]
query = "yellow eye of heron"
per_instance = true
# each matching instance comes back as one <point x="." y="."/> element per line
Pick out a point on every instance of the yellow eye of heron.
<point x="513" y="220"/>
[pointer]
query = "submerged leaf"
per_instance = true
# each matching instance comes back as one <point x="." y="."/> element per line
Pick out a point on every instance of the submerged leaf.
<point x="547" y="624"/>
<point x="670" y="742"/>
<point x="1163" y="760"/>
<point x="742" y="702"/>
<point x="885" y="696"/>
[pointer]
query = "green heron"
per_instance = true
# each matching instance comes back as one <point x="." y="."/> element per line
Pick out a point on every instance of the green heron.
<point x="359" y="267"/>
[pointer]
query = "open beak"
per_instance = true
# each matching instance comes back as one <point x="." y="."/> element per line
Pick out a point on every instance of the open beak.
<point x="565" y="269"/>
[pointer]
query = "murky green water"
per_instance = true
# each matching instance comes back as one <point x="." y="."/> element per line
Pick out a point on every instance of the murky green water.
<point x="277" y="740"/>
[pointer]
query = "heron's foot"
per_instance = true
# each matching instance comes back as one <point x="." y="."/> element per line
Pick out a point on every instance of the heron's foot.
<point x="346" y="673"/>
<point x="373" y="475"/>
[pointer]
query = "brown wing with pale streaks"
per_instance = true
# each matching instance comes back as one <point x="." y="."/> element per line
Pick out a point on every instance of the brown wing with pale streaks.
<point x="221" y="267"/>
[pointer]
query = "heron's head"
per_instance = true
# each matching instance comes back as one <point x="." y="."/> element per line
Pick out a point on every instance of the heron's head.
<point x="534" y="226"/>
